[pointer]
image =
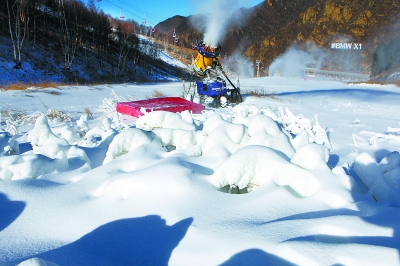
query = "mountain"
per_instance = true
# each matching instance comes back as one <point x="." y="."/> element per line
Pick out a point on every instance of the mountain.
<point x="276" y="25"/>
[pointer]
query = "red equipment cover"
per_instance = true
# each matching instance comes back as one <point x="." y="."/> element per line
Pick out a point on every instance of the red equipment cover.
<point x="170" y="104"/>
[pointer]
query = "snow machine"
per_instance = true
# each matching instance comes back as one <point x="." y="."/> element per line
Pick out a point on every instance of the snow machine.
<point x="207" y="72"/>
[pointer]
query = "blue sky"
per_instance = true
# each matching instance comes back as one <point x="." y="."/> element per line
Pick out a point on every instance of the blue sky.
<point x="155" y="11"/>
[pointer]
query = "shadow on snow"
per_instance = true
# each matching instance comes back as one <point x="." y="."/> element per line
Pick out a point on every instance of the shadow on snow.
<point x="255" y="257"/>
<point x="134" y="241"/>
<point x="367" y="95"/>
<point x="9" y="210"/>
<point x="376" y="218"/>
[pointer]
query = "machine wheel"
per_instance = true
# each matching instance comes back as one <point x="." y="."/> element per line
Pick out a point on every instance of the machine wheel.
<point x="235" y="97"/>
<point x="223" y="101"/>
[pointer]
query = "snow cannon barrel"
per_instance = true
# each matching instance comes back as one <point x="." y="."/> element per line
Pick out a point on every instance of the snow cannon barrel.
<point x="207" y="51"/>
<point x="206" y="55"/>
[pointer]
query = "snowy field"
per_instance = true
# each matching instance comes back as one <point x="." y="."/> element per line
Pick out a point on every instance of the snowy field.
<point x="316" y="164"/>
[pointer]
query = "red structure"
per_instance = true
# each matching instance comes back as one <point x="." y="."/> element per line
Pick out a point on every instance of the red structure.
<point x="171" y="104"/>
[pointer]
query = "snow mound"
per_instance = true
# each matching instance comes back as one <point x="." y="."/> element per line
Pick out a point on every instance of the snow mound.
<point x="164" y="119"/>
<point x="36" y="262"/>
<point x="49" y="154"/>
<point x="36" y="165"/>
<point x="41" y="134"/>
<point x="263" y="130"/>
<point x="257" y="165"/>
<point x="311" y="156"/>
<point x="382" y="179"/>
<point x="223" y="134"/>
<point x="125" y="142"/>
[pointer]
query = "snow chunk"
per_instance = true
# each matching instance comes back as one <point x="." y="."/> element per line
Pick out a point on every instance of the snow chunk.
<point x="125" y="142"/>
<point x="390" y="167"/>
<point x="392" y="177"/>
<point x="82" y="123"/>
<point x="258" y="165"/>
<point x="311" y="156"/>
<point x="320" y="135"/>
<point x="106" y="132"/>
<point x="72" y="134"/>
<point x="244" y="113"/>
<point x="164" y="119"/>
<point x="390" y="161"/>
<point x="36" y="165"/>
<point x="187" y="116"/>
<point x="301" y="139"/>
<point x="265" y="131"/>
<point x="268" y="112"/>
<point x="36" y="262"/>
<point x="183" y="140"/>
<point x="5" y="163"/>
<point x="371" y="174"/>
<point x="179" y="138"/>
<point x="261" y="122"/>
<point x="42" y="134"/>
<point x="294" y="124"/>
<point x="222" y="133"/>
<point x="44" y="141"/>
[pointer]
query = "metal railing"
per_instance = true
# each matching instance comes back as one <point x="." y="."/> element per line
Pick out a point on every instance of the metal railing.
<point x="335" y="75"/>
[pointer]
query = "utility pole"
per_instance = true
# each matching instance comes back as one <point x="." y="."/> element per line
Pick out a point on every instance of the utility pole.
<point x="258" y="68"/>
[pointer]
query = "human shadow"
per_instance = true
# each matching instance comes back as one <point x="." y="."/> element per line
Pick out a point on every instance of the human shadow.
<point x="255" y="257"/>
<point x="134" y="241"/>
<point x="9" y="210"/>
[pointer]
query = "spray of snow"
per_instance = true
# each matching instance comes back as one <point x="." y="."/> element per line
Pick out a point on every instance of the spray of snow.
<point x="293" y="61"/>
<point x="236" y="64"/>
<point x="290" y="63"/>
<point x="223" y="14"/>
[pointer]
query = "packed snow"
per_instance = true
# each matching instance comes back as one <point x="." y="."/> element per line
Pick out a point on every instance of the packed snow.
<point x="306" y="174"/>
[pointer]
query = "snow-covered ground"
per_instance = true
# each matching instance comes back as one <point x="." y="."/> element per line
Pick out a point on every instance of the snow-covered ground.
<point x="316" y="164"/>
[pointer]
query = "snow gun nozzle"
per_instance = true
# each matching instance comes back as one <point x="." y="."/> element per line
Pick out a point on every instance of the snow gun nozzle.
<point x="206" y="50"/>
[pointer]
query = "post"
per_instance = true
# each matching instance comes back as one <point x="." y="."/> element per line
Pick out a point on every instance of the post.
<point x="258" y="68"/>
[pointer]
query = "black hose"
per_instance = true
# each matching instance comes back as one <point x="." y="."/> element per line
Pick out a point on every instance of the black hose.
<point x="236" y="89"/>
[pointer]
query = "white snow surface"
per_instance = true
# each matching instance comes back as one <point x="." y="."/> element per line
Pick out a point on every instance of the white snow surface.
<point x="317" y="167"/>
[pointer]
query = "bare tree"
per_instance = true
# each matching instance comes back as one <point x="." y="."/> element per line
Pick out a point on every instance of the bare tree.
<point x="40" y="10"/>
<point x="103" y="30"/>
<point x="18" y="20"/>
<point x="69" y="14"/>
<point x="127" y="41"/>
<point x="91" y="5"/>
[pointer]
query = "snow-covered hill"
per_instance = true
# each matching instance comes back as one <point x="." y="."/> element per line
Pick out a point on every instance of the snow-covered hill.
<point x="42" y="63"/>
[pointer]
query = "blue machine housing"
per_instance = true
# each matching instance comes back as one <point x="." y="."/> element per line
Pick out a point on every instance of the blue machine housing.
<point x="212" y="88"/>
